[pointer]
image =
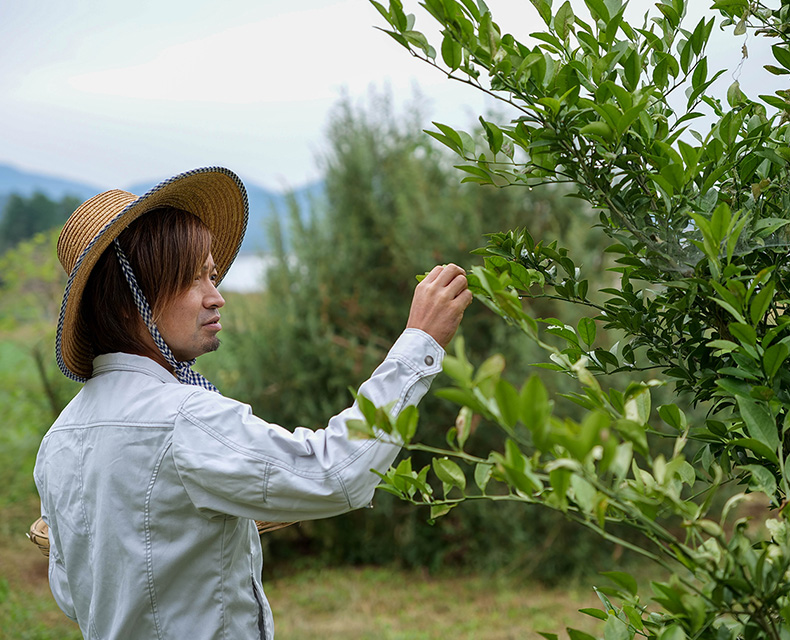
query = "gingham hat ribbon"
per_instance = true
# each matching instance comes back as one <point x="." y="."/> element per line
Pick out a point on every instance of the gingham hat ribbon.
<point x="183" y="370"/>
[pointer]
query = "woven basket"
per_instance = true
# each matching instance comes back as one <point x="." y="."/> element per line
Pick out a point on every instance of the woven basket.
<point x="266" y="527"/>
<point x="39" y="532"/>
<point x="39" y="536"/>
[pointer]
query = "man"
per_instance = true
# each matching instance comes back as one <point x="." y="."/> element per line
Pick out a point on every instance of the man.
<point x="150" y="481"/>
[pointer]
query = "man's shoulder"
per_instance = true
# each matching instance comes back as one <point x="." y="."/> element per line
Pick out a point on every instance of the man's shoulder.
<point x="127" y="391"/>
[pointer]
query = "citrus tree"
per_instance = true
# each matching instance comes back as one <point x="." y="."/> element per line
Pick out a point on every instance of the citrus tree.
<point x="697" y="219"/>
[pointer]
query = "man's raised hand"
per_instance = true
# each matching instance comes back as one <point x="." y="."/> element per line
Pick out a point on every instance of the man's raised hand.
<point x="439" y="303"/>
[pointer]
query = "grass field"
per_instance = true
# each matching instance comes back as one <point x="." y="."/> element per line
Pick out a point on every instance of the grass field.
<point x="384" y="604"/>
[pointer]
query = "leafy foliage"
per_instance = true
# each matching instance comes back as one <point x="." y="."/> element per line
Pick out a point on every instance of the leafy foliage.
<point x="31" y="286"/>
<point x="697" y="222"/>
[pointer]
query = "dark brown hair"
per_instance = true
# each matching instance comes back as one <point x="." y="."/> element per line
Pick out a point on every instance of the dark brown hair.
<point x="166" y="247"/>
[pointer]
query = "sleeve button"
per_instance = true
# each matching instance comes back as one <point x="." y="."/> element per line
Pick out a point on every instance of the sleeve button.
<point x="429" y="360"/>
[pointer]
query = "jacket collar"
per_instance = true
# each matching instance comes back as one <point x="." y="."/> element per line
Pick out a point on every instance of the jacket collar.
<point x="128" y="362"/>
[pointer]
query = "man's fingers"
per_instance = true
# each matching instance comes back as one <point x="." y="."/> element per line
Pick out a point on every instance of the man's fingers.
<point x="457" y="285"/>
<point x="433" y="274"/>
<point x="448" y="273"/>
<point x="439" y="302"/>
<point x="466" y="297"/>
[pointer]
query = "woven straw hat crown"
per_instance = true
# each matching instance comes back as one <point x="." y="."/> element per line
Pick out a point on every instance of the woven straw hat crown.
<point x="214" y="194"/>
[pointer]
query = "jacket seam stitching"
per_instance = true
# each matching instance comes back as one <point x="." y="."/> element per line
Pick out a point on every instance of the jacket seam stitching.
<point x="223" y="627"/>
<point x="345" y="491"/>
<point x="149" y="560"/>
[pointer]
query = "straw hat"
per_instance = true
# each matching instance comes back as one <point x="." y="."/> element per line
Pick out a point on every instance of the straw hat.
<point x="213" y="194"/>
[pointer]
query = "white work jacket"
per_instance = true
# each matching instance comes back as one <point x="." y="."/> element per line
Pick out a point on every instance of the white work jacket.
<point x="150" y="489"/>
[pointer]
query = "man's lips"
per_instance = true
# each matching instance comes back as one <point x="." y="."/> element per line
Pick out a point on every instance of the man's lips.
<point x="213" y="323"/>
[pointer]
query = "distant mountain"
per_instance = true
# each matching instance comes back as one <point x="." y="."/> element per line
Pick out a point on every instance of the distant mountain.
<point x="264" y="204"/>
<point x="26" y="183"/>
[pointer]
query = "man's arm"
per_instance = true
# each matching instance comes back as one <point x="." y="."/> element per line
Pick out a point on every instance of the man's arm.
<point x="235" y="463"/>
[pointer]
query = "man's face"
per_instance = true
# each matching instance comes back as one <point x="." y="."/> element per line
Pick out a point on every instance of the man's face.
<point x="190" y="323"/>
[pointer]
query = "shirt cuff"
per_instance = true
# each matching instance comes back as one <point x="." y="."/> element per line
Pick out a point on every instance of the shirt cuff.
<point x="419" y="351"/>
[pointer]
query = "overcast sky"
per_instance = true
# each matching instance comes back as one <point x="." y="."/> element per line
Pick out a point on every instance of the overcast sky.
<point x="114" y="93"/>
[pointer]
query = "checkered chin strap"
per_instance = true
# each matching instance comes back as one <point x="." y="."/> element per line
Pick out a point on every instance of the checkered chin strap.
<point x="183" y="370"/>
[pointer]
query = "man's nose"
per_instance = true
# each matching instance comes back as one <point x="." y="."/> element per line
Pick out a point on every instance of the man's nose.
<point x="215" y="299"/>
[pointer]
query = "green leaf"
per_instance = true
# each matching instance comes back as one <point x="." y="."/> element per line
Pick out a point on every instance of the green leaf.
<point x="563" y="20"/>
<point x="673" y="416"/>
<point x="673" y="632"/>
<point x="586" y="330"/>
<point x="449" y="472"/>
<point x="406" y="424"/>
<point x="518" y="469"/>
<point x="732" y="310"/>
<point x="575" y="634"/>
<point x="483" y="472"/>
<point x="755" y="446"/>
<point x="494" y="135"/>
<point x="761" y="479"/>
<point x="595" y="613"/>
<point x="774" y="357"/>
<point x="625" y="580"/>
<point x="463" y="425"/>
<point x="367" y="408"/>
<point x="544" y="9"/>
<point x="439" y="510"/>
<point x="464" y="398"/>
<point x="634" y="432"/>
<point x="381" y="9"/>
<point x="632" y="67"/>
<point x="598" y="10"/>
<point x="359" y="430"/>
<point x="458" y="368"/>
<point x="734" y="94"/>
<point x="637" y="405"/>
<point x="508" y="401"/>
<point x="598" y="129"/>
<point x="782" y="55"/>
<point x="491" y="368"/>
<point x="535" y="409"/>
<point x="743" y="332"/>
<point x="767" y="226"/>
<point x="583" y="493"/>
<point x="724" y="346"/>
<point x="616" y="629"/>
<point x="761" y="302"/>
<point x="560" y="480"/>
<point x="760" y="424"/>
<point x="452" y="52"/>
<point x="450" y="134"/>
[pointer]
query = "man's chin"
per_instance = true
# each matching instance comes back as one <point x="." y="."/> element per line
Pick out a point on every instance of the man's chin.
<point x="212" y="345"/>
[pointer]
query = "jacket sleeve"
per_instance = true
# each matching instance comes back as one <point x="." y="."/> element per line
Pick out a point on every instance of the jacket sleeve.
<point x="232" y="462"/>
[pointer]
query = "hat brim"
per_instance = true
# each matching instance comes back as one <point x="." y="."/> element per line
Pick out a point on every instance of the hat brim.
<point x="214" y="194"/>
